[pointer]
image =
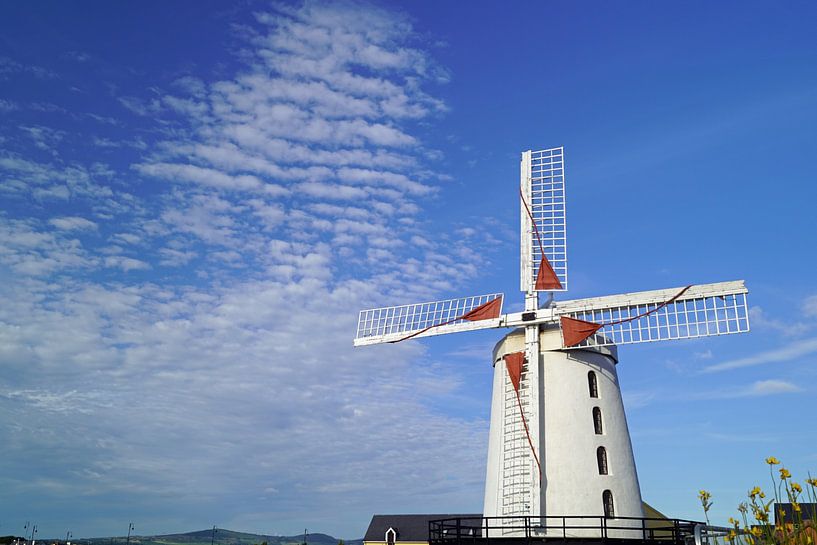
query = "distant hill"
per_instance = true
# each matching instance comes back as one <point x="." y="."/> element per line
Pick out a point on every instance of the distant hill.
<point x="223" y="537"/>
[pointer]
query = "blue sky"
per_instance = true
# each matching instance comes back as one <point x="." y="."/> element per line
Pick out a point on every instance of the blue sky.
<point x="197" y="199"/>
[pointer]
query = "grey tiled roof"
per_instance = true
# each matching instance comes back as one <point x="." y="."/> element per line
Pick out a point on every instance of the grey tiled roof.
<point x="408" y="527"/>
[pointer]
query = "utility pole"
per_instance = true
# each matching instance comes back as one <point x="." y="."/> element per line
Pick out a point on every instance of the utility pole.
<point x="33" y="533"/>
<point x="304" y="536"/>
<point x="130" y="527"/>
<point x="213" y="536"/>
<point x="67" y="537"/>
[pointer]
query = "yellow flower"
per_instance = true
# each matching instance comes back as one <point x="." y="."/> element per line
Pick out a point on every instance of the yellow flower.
<point x="784" y="473"/>
<point x="812" y="482"/>
<point x="705" y="497"/>
<point x="731" y="535"/>
<point x="757" y="532"/>
<point x="795" y="506"/>
<point x="772" y="461"/>
<point x="733" y="522"/>
<point x="796" y="487"/>
<point x="754" y="492"/>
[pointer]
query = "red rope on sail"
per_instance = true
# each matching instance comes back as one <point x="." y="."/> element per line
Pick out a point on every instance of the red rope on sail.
<point x="513" y="363"/>
<point x="546" y="278"/>
<point x="535" y="228"/>
<point x="485" y="311"/>
<point x="659" y="307"/>
<point x="575" y="331"/>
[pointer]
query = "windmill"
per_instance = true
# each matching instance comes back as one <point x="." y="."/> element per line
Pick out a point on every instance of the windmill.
<point x="559" y="443"/>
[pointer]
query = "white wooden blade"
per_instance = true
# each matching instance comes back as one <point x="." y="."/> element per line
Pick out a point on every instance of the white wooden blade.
<point x="393" y="324"/>
<point x="542" y="179"/>
<point x="703" y="310"/>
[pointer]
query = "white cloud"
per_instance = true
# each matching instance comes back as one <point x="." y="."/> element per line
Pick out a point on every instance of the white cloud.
<point x="176" y="258"/>
<point x="789" y="352"/>
<point x="208" y="176"/>
<point x="73" y="223"/>
<point x="789" y="328"/>
<point x="771" y="387"/>
<point x="8" y="106"/>
<point x="126" y="263"/>
<point x="810" y="306"/>
<point x="224" y="302"/>
<point x="758" y="388"/>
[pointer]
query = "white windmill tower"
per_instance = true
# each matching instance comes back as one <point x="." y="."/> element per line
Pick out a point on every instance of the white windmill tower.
<point x="559" y="444"/>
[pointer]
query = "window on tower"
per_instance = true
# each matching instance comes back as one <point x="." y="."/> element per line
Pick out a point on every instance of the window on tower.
<point x="601" y="457"/>
<point x="593" y="383"/>
<point x="607" y="500"/>
<point x="597" y="420"/>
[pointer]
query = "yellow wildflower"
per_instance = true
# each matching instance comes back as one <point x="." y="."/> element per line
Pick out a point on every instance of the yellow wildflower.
<point x="796" y="487"/>
<point x="772" y="461"/>
<point x="754" y="492"/>
<point x="731" y="535"/>
<point x="757" y="532"/>
<point x="784" y="473"/>
<point x="812" y="482"/>
<point x="705" y="497"/>
<point x="795" y="506"/>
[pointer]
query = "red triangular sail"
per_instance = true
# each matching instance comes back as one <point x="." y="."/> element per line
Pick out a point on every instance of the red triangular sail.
<point x="546" y="278"/>
<point x="575" y="331"/>
<point x="513" y="362"/>
<point x="486" y="311"/>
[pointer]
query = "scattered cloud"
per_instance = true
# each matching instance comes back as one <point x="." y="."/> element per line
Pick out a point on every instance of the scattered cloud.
<point x="73" y="223"/>
<point x="76" y="56"/>
<point x="794" y="349"/>
<point x="218" y="294"/>
<point x="810" y="306"/>
<point x="8" y="106"/>
<point x="759" y="388"/>
<point x="771" y="387"/>
<point x="637" y="399"/>
<point x="789" y="328"/>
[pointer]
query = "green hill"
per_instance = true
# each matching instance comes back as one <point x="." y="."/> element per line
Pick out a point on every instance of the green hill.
<point x="223" y="537"/>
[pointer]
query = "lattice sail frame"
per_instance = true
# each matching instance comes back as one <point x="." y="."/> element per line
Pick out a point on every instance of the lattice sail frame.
<point x="702" y="311"/>
<point x="390" y="324"/>
<point x="542" y="184"/>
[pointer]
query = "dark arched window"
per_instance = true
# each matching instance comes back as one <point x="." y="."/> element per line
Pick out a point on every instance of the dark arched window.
<point x="597" y="420"/>
<point x="391" y="536"/>
<point x="593" y="383"/>
<point x="601" y="457"/>
<point x="607" y="500"/>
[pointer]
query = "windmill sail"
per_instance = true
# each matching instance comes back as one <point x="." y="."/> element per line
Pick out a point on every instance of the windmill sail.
<point x="399" y="323"/>
<point x="543" y="257"/>
<point x="677" y="313"/>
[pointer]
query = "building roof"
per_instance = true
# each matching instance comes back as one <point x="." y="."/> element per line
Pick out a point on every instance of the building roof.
<point x="808" y="511"/>
<point x="408" y="527"/>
